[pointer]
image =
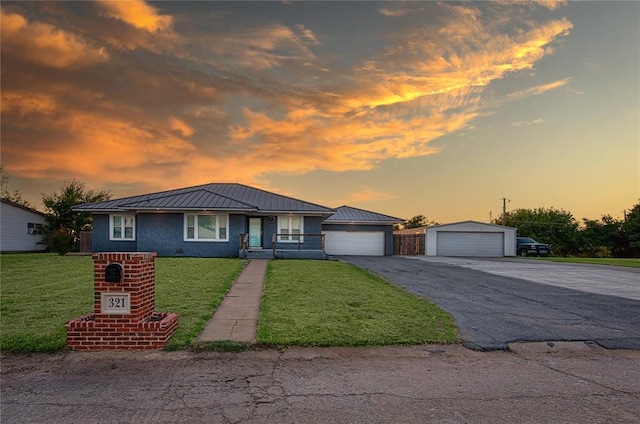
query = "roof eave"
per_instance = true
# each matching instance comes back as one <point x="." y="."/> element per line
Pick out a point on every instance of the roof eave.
<point x="363" y="222"/>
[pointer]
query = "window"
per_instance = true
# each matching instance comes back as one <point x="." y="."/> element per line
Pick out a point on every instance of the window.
<point x="206" y="227"/>
<point x="290" y="227"/>
<point x="34" y="228"/>
<point x="122" y="227"/>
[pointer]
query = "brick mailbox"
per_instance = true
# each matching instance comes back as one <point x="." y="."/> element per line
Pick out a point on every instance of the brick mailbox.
<point x="123" y="316"/>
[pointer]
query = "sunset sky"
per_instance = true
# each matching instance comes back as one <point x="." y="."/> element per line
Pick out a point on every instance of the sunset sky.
<point x="403" y="108"/>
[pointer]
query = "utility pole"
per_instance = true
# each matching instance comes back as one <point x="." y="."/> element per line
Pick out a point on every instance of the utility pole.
<point x="490" y="216"/>
<point x="504" y="210"/>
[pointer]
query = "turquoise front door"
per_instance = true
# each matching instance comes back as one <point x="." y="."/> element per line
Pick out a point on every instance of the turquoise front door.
<point x="255" y="233"/>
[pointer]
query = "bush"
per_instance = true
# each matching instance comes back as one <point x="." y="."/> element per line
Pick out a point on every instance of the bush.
<point x="60" y="241"/>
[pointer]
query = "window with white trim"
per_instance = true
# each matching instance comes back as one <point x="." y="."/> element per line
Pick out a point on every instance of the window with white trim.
<point x="206" y="227"/>
<point x="122" y="227"/>
<point x="290" y="227"/>
<point x="34" y="228"/>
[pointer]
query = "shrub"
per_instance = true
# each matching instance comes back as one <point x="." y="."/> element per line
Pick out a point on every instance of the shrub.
<point x="60" y="241"/>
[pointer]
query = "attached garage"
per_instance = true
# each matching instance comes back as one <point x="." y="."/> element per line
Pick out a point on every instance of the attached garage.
<point x="471" y="238"/>
<point x="367" y="243"/>
<point x="353" y="231"/>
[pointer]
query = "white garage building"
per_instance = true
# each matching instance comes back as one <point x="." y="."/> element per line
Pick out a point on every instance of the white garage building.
<point x="353" y="231"/>
<point x="470" y="238"/>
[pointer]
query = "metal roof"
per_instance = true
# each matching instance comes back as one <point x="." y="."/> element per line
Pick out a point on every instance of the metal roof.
<point x="347" y="214"/>
<point x="213" y="196"/>
<point x="470" y="222"/>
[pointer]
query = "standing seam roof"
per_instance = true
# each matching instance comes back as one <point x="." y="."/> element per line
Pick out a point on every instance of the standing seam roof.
<point x="350" y="214"/>
<point x="210" y="196"/>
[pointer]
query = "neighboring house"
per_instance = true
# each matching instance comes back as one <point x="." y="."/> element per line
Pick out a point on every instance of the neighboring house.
<point x="20" y="228"/>
<point x="210" y="220"/>
<point x="353" y="231"/>
<point x="470" y="238"/>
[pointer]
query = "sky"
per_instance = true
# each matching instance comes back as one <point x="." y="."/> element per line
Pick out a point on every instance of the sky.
<point x="439" y="109"/>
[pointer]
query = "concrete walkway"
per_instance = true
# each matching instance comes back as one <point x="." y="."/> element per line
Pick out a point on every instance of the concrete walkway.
<point x="236" y="318"/>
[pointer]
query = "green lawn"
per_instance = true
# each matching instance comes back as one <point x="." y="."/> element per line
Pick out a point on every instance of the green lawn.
<point x="328" y="303"/>
<point x="193" y="287"/>
<point x="633" y="263"/>
<point x="322" y="303"/>
<point x="39" y="292"/>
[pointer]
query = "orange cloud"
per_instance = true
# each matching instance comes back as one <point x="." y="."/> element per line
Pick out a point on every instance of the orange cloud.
<point x="182" y="127"/>
<point x="551" y="4"/>
<point x="220" y="111"/>
<point x="138" y="14"/>
<point x="25" y="103"/>
<point x="540" y="89"/>
<point x="263" y="47"/>
<point x="44" y="44"/>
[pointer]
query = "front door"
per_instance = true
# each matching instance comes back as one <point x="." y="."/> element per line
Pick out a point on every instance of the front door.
<point x="255" y="233"/>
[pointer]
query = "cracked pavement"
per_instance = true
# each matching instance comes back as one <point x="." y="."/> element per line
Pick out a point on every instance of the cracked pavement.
<point x="431" y="383"/>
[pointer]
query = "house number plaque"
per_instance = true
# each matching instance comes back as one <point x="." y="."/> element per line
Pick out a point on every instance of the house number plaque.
<point x="116" y="303"/>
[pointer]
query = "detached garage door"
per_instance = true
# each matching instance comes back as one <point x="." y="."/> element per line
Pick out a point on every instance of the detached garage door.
<point x="362" y="243"/>
<point x="451" y="243"/>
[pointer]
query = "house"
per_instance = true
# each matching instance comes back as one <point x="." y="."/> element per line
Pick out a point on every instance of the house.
<point x="20" y="228"/>
<point x="210" y="220"/>
<point x="353" y="231"/>
<point x="470" y="238"/>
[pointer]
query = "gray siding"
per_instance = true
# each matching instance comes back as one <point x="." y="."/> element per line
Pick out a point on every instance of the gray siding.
<point x="471" y="227"/>
<point x="14" y="236"/>
<point x="388" y="232"/>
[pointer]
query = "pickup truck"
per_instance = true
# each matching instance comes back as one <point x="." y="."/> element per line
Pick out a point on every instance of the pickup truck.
<point x="526" y="246"/>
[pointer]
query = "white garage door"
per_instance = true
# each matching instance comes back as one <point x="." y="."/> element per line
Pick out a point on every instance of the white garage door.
<point x="362" y="243"/>
<point x="451" y="243"/>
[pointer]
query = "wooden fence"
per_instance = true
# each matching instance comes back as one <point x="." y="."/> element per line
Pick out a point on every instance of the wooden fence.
<point x="408" y="244"/>
<point x="85" y="241"/>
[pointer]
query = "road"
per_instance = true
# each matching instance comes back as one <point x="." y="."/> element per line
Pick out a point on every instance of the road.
<point x="566" y="383"/>
<point x="496" y="305"/>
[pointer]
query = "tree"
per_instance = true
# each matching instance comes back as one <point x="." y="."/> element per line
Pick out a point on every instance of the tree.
<point x="554" y="226"/>
<point x="64" y="223"/>
<point x="418" y="221"/>
<point x="16" y="196"/>
<point x="602" y="238"/>
<point x="631" y="231"/>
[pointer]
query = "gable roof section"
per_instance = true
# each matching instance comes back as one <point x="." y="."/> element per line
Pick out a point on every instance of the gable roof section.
<point x="213" y="196"/>
<point x="349" y="215"/>
<point x="18" y="205"/>
<point x="484" y="224"/>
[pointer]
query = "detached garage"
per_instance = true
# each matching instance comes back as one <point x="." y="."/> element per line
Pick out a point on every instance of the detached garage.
<point x="353" y="231"/>
<point x="471" y="238"/>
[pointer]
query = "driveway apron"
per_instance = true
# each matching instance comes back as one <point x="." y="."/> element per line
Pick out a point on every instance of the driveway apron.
<point x="494" y="310"/>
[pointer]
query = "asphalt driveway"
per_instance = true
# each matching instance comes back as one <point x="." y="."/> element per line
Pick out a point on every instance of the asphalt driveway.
<point x="494" y="309"/>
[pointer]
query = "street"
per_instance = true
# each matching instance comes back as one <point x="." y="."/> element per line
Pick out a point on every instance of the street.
<point x="534" y="383"/>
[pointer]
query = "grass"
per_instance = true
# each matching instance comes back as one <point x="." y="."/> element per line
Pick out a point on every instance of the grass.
<point x="40" y="292"/>
<point x="633" y="263"/>
<point x="327" y="303"/>
<point x="192" y="287"/>
<point x="317" y="303"/>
